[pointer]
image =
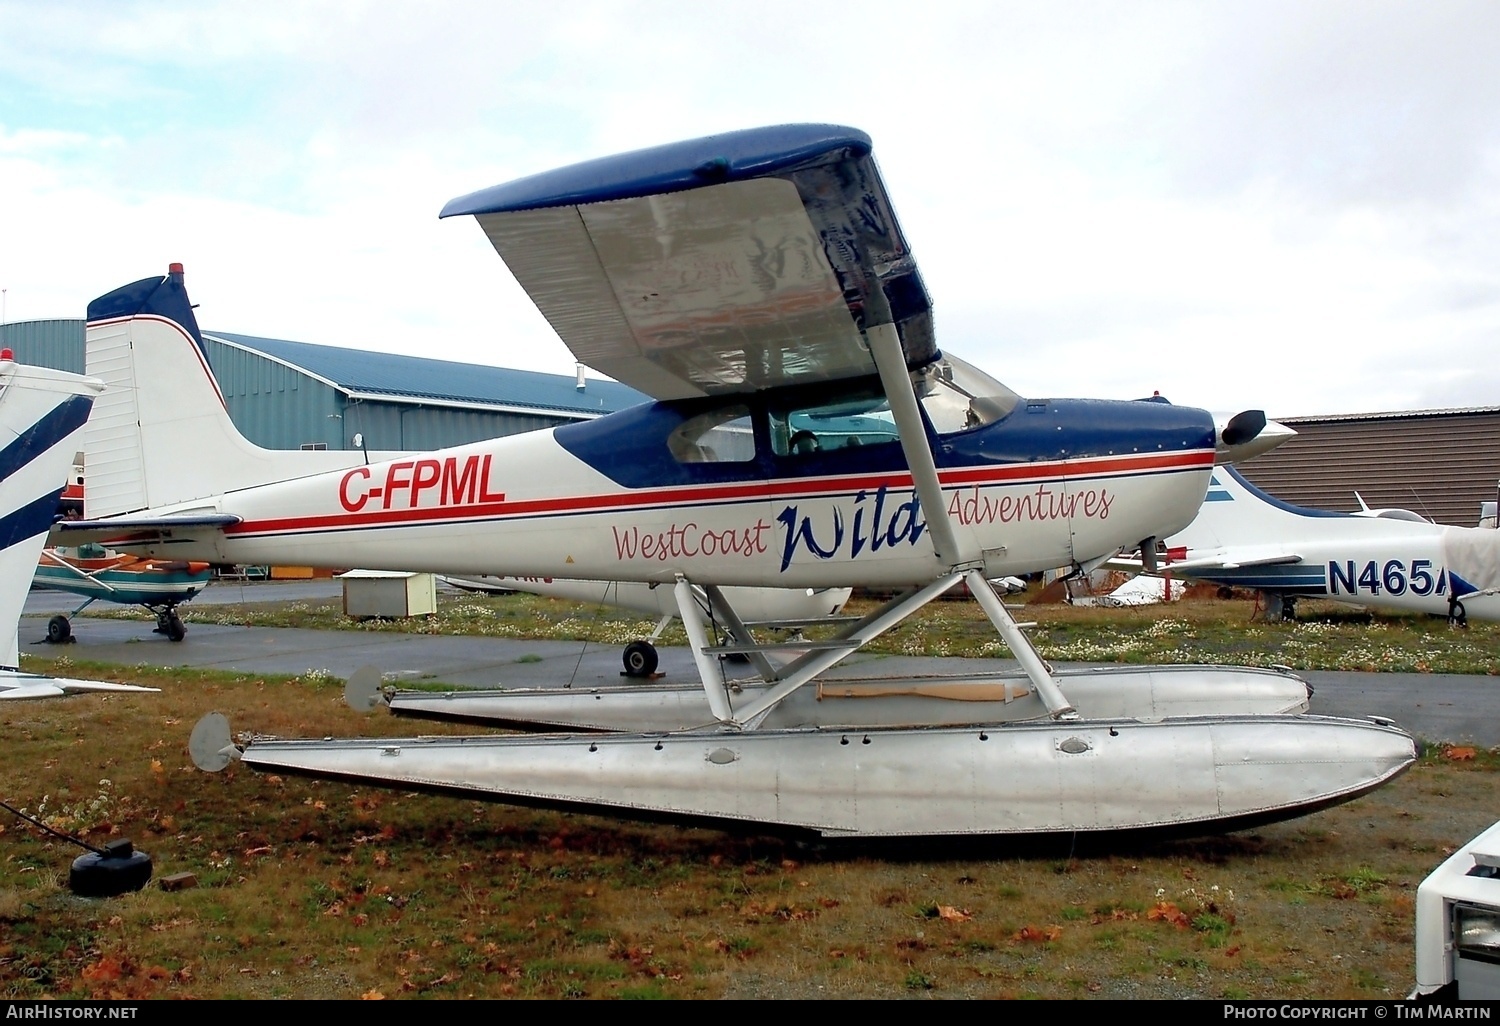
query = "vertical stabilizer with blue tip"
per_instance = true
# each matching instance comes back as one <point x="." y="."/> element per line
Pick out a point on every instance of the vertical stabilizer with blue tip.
<point x="42" y="414"/>
<point x="161" y="434"/>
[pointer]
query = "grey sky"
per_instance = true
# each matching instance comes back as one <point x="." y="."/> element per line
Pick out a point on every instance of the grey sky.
<point x="1285" y="205"/>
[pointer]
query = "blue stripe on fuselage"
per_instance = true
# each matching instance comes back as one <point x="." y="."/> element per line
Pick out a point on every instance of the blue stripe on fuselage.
<point x="1301" y="579"/>
<point x="630" y="447"/>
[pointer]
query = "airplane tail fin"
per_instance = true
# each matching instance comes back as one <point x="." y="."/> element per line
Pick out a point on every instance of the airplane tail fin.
<point x="1237" y="513"/>
<point x="161" y="434"/>
<point x="42" y="415"/>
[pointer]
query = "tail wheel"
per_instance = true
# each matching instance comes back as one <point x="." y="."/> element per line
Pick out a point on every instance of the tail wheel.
<point x="640" y="659"/>
<point x="59" y="630"/>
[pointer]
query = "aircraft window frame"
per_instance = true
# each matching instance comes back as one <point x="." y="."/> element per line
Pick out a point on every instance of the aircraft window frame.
<point x="692" y="442"/>
<point x="798" y="430"/>
<point x="956" y="396"/>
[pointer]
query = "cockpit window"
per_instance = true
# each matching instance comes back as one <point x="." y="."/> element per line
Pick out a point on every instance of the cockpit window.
<point x="854" y="421"/>
<point x="959" y="396"/>
<point x="723" y="435"/>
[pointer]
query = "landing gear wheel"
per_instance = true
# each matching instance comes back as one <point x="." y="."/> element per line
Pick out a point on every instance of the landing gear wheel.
<point x="1458" y="616"/>
<point x="59" y="630"/>
<point x="1289" y="608"/>
<point x="640" y="659"/>
<point x="170" y="624"/>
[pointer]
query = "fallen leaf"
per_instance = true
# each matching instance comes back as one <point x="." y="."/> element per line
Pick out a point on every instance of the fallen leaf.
<point x="954" y="915"/>
<point x="372" y="995"/>
<point x="1168" y="912"/>
<point x="1038" y="934"/>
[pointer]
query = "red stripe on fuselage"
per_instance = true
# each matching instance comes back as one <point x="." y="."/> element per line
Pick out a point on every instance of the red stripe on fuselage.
<point x="699" y="495"/>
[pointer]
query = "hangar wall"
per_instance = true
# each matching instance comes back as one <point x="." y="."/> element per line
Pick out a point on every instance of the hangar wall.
<point x="57" y="344"/>
<point x="278" y="406"/>
<point x="1439" y="463"/>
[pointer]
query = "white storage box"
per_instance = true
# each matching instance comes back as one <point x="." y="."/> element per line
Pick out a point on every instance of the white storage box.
<point x="369" y="593"/>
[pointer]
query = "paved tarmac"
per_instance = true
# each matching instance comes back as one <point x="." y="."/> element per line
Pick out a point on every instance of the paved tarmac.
<point x="1436" y="707"/>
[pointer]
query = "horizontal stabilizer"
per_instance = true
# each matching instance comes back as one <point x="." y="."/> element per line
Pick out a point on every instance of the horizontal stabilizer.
<point x="142" y="528"/>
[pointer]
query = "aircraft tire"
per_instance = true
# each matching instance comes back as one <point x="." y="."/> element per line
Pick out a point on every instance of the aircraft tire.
<point x="174" y="628"/>
<point x="59" y="630"/>
<point x="640" y="659"/>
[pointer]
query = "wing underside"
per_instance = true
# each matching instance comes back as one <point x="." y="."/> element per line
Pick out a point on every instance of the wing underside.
<point x="728" y="264"/>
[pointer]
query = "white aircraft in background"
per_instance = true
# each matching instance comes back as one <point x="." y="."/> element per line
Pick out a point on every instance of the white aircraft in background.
<point x="42" y="413"/>
<point x="1390" y="559"/>
<point x="757" y="285"/>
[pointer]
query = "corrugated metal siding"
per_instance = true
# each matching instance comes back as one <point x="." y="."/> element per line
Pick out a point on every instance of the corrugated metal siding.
<point x="410" y="427"/>
<point x="274" y="406"/>
<point x="415" y="379"/>
<point x="1439" y="465"/>
<point x="278" y="407"/>
<point x="56" y="344"/>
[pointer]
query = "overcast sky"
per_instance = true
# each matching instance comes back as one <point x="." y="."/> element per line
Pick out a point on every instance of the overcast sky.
<point x="1286" y="205"/>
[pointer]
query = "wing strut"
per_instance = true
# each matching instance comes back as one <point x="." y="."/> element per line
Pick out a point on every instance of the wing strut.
<point x="1020" y="646"/>
<point x="708" y="666"/>
<point x="885" y="346"/>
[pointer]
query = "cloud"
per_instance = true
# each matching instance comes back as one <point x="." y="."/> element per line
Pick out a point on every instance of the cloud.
<point x="1256" y="203"/>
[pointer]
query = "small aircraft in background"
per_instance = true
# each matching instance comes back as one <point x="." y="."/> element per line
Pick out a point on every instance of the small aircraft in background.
<point x="42" y="413"/>
<point x="160" y="585"/>
<point x="757" y="285"/>
<point x="1390" y="559"/>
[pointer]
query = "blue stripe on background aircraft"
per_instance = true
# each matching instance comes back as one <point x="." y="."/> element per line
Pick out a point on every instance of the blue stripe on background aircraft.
<point x="757" y="286"/>
<point x="1244" y="537"/>
<point x="42" y="414"/>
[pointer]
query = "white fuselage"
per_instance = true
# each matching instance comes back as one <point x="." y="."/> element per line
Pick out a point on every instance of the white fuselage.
<point x="1366" y="560"/>
<point x="525" y="506"/>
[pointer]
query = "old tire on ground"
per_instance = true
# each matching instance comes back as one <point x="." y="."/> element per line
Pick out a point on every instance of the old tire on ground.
<point x="640" y="659"/>
<point x="59" y="630"/>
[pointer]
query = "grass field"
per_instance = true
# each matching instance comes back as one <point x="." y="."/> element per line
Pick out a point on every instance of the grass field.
<point x="318" y="889"/>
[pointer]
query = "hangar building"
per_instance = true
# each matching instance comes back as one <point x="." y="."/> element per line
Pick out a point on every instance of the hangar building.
<point x="1439" y="463"/>
<point x="289" y="395"/>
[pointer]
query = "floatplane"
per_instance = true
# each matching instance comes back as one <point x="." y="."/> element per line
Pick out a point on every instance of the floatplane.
<point x="42" y="414"/>
<point x="757" y="286"/>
